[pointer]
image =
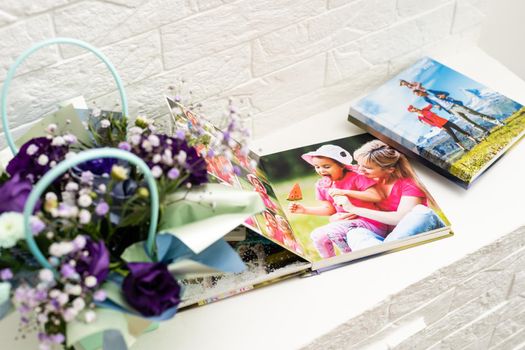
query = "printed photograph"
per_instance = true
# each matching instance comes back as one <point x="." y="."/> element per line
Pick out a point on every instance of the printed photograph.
<point x="444" y="116"/>
<point x="349" y="194"/>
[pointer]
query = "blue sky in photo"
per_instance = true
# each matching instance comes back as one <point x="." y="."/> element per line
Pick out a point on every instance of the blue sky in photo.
<point x="388" y="104"/>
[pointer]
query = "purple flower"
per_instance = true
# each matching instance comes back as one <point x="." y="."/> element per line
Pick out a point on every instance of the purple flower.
<point x="150" y="288"/>
<point x="68" y="271"/>
<point x="37" y="225"/>
<point x="95" y="263"/>
<point x="102" y="208"/>
<point x="124" y="146"/>
<point x="6" y="274"/>
<point x="98" y="166"/>
<point x="35" y="158"/>
<point x="173" y="173"/>
<point x="14" y="193"/>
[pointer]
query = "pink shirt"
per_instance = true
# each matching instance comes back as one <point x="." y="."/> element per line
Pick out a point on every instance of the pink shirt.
<point x="351" y="181"/>
<point x="402" y="187"/>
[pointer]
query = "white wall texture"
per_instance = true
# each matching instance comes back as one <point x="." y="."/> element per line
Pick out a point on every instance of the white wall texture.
<point x="475" y="303"/>
<point x="285" y="59"/>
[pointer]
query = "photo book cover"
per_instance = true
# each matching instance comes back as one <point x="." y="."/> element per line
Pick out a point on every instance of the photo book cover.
<point x="441" y="116"/>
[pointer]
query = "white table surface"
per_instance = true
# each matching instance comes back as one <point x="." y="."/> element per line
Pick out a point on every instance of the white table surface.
<point x="292" y="313"/>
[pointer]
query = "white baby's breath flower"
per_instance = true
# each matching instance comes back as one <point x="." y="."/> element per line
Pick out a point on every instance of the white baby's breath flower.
<point x="42" y="319"/>
<point x="51" y="128"/>
<point x="73" y="289"/>
<point x="62" y="298"/>
<point x="70" y="139"/>
<point x="43" y="160"/>
<point x="90" y="316"/>
<point x="80" y="243"/>
<point x="61" y="248"/>
<point x="58" y="141"/>
<point x="79" y="304"/>
<point x="156" y="158"/>
<point x="156" y="171"/>
<point x="72" y="186"/>
<point x="51" y="196"/>
<point x="46" y="275"/>
<point x="181" y="157"/>
<point x="102" y="188"/>
<point x="135" y="139"/>
<point x="69" y="314"/>
<point x="90" y="281"/>
<point x="11" y="229"/>
<point x="135" y="130"/>
<point x="84" y="216"/>
<point x="154" y="140"/>
<point x="84" y="201"/>
<point x="104" y="123"/>
<point x="147" y="146"/>
<point x="32" y="149"/>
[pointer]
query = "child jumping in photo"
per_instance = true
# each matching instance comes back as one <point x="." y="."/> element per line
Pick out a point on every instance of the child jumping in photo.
<point x="426" y="116"/>
<point x="334" y="164"/>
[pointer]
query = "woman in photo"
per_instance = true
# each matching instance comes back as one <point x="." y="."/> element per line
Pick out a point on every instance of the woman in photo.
<point x="405" y="207"/>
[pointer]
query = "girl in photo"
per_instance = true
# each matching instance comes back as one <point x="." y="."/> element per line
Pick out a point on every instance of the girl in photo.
<point x="259" y="188"/>
<point x="288" y="238"/>
<point x="334" y="165"/>
<point x="272" y="228"/>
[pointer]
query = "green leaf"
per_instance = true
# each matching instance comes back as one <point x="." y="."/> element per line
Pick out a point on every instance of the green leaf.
<point x="201" y="216"/>
<point x="135" y="253"/>
<point x="77" y="331"/>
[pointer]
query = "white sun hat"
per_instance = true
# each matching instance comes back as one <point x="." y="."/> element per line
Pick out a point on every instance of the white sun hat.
<point x="330" y="151"/>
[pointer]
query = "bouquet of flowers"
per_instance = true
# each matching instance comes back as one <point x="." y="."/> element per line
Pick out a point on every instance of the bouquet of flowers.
<point x="96" y="229"/>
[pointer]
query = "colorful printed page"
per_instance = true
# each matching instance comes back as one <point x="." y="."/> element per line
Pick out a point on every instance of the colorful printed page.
<point x="446" y="120"/>
<point x="339" y="210"/>
<point x="249" y="175"/>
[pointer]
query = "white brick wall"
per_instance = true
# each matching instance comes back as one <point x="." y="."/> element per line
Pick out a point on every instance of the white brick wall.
<point x="287" y="59"/>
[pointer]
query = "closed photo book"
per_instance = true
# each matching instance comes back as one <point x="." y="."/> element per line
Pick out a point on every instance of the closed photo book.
<point x="438" y="116"/>
<point x="326" y="204"/>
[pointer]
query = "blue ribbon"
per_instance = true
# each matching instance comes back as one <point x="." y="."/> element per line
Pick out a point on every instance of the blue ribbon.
<point x="220" y="255"/>
<point x="109" y="304"/>
<point x="4" y="308"/>
<point x="113" y="340"/>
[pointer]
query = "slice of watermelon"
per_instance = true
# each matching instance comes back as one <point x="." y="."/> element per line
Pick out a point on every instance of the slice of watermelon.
<point x="295" y="193"/>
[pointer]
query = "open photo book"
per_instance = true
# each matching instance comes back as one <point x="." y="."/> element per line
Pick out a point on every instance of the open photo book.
<point x="442" y="118"/>
<point x="325" y="204"/>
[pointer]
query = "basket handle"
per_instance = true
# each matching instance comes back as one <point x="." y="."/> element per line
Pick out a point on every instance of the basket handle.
<point x="82" y="157"/>
<point x="36" y="47"/>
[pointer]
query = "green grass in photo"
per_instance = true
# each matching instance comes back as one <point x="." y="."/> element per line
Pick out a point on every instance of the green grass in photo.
<point x="475" y="159"/>
<point x="302" y="224"/>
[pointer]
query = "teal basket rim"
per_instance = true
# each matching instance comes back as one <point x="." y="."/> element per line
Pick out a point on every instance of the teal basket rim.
<point x="64" y="166"/>
<point x="33" y="49"/>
